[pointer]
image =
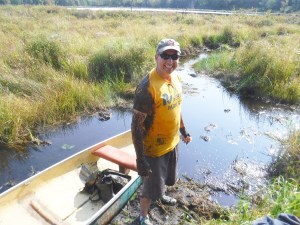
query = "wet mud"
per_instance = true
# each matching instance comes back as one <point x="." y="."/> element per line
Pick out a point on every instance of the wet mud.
<point x="193" y="204"/>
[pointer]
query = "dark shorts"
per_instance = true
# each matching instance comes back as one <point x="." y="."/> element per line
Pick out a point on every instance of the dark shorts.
<point x="164" y="172"/>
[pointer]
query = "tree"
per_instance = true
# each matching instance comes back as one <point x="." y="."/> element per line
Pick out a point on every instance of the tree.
<point x="4" y="2"/>
<point x="16" y="2"/>
<point x="270" y="4"/>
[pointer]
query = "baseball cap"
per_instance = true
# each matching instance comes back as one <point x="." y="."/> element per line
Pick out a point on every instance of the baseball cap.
<point x="166" y="44"/>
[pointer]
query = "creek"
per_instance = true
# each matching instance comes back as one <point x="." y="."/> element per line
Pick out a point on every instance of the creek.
<point x="233" y="140"/>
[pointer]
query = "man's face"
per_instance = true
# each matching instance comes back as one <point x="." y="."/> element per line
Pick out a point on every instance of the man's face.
<point x="164" y="62"/>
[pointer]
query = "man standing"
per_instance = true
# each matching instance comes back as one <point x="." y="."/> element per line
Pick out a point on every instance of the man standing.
<point x="155" y="124"/>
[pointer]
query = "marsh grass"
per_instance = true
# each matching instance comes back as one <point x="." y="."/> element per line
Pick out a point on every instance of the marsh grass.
<point x="265" y="68"/>
<point x="222" y="61"/>
<point x="271" y="69"/>
<point x="46" y="52"/>
<point x="284" y="197"/>
<point x="287" y="163"/>
<point x="56" y="64"/>
<point x="280" y="196"/>
<point x="119" y="61"/>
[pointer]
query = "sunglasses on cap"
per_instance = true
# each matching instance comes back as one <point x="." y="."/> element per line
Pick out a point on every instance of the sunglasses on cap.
<point x="166" y="56"/>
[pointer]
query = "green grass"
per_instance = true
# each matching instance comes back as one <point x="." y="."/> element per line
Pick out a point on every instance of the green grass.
<point x="271" y="68"/>
<point x="218" y="62"/>
<point x="259" y="68"/>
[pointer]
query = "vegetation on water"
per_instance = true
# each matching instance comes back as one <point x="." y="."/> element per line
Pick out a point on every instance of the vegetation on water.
<point x="280" y="196"/>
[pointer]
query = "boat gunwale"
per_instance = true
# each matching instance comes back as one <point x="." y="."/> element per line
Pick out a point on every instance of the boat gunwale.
<point x="136" y="180"/>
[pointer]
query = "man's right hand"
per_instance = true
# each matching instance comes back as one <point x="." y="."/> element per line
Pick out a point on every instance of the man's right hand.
<point x="143" y="167"/>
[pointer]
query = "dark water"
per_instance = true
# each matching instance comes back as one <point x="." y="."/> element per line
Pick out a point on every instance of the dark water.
<point x="241" y="137"/>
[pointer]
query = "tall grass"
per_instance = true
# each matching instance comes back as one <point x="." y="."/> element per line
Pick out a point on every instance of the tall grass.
<point x="120" y="61"/>
<point x="271" y="69"/>
<point x="47" y="52"/>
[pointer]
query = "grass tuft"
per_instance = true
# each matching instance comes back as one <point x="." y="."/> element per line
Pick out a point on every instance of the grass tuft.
<point x="119" y="61"/>
<point x="46" y="51"/>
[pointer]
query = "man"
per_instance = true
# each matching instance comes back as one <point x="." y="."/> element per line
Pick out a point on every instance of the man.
<point x="155" y="124"/>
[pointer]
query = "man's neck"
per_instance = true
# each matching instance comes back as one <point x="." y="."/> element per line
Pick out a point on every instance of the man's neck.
<point x="165" y="76"/>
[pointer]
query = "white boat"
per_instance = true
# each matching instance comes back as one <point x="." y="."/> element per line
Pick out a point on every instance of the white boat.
<point x="54" y="196"/>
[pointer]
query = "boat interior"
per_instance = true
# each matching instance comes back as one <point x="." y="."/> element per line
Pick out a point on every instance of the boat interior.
<point x="55" y="196"/>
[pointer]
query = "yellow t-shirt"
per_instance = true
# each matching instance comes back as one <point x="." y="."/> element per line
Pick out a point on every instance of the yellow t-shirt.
<point x="161" y="101"/>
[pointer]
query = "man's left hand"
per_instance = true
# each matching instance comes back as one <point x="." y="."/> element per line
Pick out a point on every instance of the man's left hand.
<point x="186" y="139"/>
<point x="185" y="136"/>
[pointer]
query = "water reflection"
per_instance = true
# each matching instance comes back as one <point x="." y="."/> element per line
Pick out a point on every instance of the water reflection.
<point x="66" y="140"/>
<point x="245" y="132"/>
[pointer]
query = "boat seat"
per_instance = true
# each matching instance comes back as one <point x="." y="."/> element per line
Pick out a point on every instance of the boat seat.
<point x="124" y="159"/>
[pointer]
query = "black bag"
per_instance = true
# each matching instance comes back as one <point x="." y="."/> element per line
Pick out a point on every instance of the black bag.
<point x="106" y="184"/>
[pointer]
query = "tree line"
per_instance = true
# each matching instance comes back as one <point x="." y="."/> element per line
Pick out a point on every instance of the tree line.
<point x="285" y="6"/>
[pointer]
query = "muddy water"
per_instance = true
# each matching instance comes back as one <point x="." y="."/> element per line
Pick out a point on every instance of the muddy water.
<point x="233" y="140"/>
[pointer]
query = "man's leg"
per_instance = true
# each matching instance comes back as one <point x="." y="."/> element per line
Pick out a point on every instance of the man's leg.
<point x="145" y="205"/>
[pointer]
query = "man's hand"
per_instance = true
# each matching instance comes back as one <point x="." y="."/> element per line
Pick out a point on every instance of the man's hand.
<point x="143" y="167"/>
<point x="185" y="136"/>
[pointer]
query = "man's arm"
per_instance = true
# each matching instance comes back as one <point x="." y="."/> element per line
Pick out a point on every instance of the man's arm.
<point x="185" y="136"/>
<point x="138" y="119"/>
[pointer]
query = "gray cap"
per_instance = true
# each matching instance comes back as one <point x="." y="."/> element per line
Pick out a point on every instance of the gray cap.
<point x="166" y="44"/>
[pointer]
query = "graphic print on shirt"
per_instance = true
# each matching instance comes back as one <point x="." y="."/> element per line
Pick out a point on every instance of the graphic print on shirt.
<point x="170" y="98"/>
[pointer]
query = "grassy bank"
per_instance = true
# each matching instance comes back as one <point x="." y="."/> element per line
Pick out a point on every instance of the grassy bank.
<point x="56" y="64"/>
<point x="267" y="67"/>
